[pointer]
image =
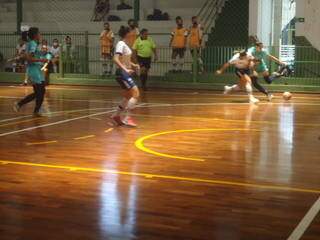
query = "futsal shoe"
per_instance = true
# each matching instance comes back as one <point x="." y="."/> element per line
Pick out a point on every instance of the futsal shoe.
<point x="270" y="97"/>
<point x="254" y="100"/>
<point x="227" y="90"/>
<point x="276" y="74"/>
<point x="117" y="120"/>
<point x="16" y="107"/>
<point x="128" y="121"/>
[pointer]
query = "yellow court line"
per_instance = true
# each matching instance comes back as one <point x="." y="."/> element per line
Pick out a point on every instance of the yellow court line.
<point x="84" y="137"/>
<point x="221" y="119"/>
<point x="108" y="130"/>
<point x="40" y="143"/>
<point x="167" y="177"/>
<point x="140" y="142"/>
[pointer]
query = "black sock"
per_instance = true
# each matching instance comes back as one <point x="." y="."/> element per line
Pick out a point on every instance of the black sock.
<point x="268" y="79"/>
<point x="256" y="84"/>
<point x="144" y="78"/>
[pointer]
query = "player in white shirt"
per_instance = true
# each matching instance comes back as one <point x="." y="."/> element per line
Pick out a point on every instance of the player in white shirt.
<point x="243" y="63"/>
<point x="20" y="62"/>
<point x="122" y="58"/>
<point x="55" y="52"/>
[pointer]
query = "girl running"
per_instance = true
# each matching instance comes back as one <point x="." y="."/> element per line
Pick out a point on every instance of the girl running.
<point x="122" y="59"/>
<point x="34" y="59"/>
<point x="243" y="63"/>
<point x="261" y="56"/>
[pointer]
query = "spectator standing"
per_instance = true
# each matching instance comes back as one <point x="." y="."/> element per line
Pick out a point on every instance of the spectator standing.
<point x="106" y="48"/>
<point x="68" y="53"/>
<point x="144" y="47"/>
<point x="195" y="41"/>
<point x="55" y="51"/>
<point x="178" y="42"/>
<point x="133" y="34"/>
<point x="20" y="63"/>
<point x="44" y="42"/>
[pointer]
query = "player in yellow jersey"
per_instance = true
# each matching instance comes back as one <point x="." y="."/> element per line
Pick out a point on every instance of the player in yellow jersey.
<point x="133" y="34"/>
<point x="106" y="45"/>
<point x="195" y="40"/>
<point x="178" y="43"/>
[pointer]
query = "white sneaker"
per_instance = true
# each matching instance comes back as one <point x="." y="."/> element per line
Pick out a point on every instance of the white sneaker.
<point x="270" y="97"/>
<point x="227" y="90"/>
<point x="254" y="100"/>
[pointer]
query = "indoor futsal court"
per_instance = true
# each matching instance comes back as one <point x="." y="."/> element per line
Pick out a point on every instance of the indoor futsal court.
<point x="159" y="120"/>
<point x="199" y="166"/>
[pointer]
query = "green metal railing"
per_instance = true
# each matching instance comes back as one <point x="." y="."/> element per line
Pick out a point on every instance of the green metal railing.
<point x="84" y="57"/>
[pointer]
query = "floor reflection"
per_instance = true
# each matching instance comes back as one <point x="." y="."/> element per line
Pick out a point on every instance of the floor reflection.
<point x="118" y="196"/>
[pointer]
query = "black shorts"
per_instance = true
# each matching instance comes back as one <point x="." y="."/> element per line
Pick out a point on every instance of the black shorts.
<point x="124" y="79"/>
<point x="144" y="62"/>
<point x="178" y="51"/>
<point x="240" y="72"/>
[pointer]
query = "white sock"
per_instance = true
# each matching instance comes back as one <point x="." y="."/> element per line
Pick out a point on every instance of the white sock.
<point x="174" y="64"/>
<point x="131" y="105"/>
<point x="249" y="91"/>
<point x="55" y="68"/>
<point x="121" y="107"/>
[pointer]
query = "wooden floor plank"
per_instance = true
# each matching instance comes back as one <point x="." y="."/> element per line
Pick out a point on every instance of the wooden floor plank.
<point x="150" y="196"/>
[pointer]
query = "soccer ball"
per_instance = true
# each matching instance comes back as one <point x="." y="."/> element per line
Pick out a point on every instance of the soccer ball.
<point x="287" y="96"/>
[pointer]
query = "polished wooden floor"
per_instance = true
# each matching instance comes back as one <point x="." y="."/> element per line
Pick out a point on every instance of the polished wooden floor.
<point x="199" y="166"/>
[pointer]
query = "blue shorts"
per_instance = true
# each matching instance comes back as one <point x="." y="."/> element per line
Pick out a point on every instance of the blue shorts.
<point x="240" y="72"/>
<point x="124" y="79"/>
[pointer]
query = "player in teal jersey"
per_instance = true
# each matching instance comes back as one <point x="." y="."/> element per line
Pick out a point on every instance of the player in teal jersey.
<point x="261" y="56"/>
<point x="35" y="62"/>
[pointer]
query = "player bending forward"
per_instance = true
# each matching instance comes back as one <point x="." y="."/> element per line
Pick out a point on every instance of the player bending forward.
<point x="243" y="63"/>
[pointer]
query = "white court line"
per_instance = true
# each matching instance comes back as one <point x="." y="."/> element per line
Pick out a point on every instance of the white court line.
<point x="55" y="123"/>
<point x="190" y="92"/>
<point x="54" y="113"/>
<point x="15" y="118"/>
<point x="138" y="106"/>
<point x="306" y="221"/>
<point x="224" y="103"/>
<point x="65" y="100"/>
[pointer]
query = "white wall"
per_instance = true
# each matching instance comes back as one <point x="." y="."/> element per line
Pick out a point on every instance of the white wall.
<point x="310" y="10"/>
<point x="260" y="20"/>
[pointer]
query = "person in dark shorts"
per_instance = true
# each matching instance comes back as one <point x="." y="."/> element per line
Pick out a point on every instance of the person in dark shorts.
<point x="243" y="63"/>
<point x="122" y="58"/>
<point x="143" y="48"/>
